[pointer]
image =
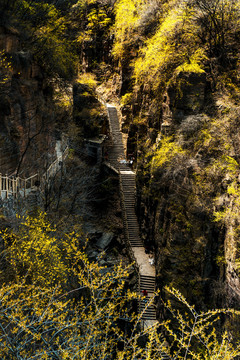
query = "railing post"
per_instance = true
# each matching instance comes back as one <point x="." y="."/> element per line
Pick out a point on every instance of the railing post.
<point x="15" y="188"/>
<point x="6" y="179"/>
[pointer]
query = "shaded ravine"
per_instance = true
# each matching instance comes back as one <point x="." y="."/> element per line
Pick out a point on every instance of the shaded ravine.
<point x="146" y="271"/>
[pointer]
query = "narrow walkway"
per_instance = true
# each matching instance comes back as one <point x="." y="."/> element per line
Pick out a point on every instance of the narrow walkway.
<point x="117" y="159"/>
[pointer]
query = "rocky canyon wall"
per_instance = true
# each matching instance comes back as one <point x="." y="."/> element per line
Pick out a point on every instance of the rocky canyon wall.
<point x="184" y="149"/>
<point x="27" y="137"/>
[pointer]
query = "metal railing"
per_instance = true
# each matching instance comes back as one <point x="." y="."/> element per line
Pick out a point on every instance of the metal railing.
<point x="15" y="186"/>
<point x="55" y="166"/>
<point x="11" y="186"/>
<point x="126" y="230"/>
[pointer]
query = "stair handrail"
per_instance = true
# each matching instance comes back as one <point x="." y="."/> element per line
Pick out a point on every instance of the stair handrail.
<point x="126" y="232"/>
<point x="60" y="158"/>
<point x="125" y="225"/>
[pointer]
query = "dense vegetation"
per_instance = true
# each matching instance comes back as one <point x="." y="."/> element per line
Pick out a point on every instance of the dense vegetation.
<point x="174" y="65"/>
<point x="57" y="304"/>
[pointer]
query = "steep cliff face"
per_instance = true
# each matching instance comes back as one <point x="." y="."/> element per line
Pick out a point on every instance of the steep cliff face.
<point x="26" y="111"/>
<point x="188" y="190"/>
<point x="179" y="96"/>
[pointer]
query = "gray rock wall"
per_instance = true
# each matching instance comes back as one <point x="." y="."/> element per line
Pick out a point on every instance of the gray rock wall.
<point x="26" y="111"/>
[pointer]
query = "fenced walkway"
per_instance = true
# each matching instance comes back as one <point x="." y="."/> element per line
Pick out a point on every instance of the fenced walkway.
<point x="17" y="186"/>
<point x="146" y="271"/>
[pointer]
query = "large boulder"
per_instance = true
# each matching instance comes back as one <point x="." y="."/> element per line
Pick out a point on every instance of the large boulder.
<point x="105" y="240"/>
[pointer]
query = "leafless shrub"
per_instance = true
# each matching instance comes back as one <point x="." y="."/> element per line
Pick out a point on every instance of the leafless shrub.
<point x="150" y="17"/>
<point x="191" y="124"/>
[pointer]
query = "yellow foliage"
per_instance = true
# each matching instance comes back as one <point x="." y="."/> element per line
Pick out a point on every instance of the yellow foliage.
<point x="194" y="64"/>
<point x="41" y="316"/>
<point x="197" y="330"/>
<point x="173" y="47"/>
<point x="126" y="99"/>
<point x="167" y="151"/>
<point x="5" y="68"/>
<point x="163" y="53"/>
<point x="88" y="79"/>
<point x="44" y="320"/>
<point x="97" y="19"/>
<point x="222" y="201"/>
<point x="127" y="16"/>
<point x="35" y="252"/>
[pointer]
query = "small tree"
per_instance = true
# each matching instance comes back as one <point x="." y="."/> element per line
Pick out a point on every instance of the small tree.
<point x="218" y="21"/>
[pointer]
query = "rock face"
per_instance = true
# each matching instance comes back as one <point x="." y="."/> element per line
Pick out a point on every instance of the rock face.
<point x="88" y="113"/>
<point x="26" y="111"/>
<point x="177" y="202"/>
<point x="183" y="97"/>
